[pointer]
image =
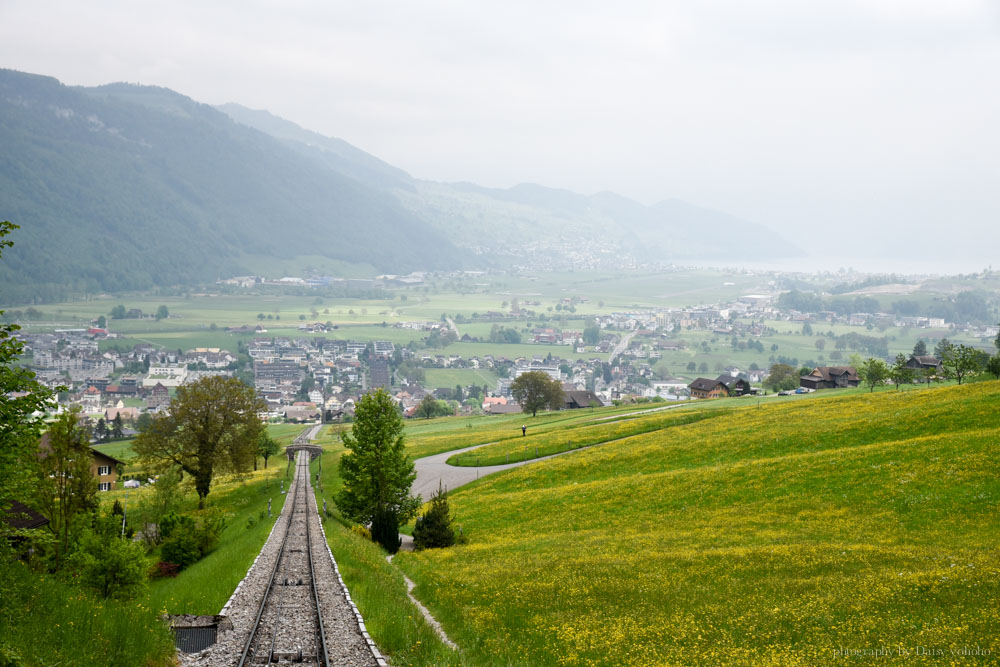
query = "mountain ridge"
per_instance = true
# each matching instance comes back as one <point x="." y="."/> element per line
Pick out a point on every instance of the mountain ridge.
<point x="125" y="186"/>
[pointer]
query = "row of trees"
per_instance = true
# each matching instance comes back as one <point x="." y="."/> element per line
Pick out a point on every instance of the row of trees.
<point x="958" y="362"/>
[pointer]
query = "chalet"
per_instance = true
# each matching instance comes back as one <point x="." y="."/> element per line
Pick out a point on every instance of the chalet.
<point x="574" y="400"/>
<point x="104" y="467"/>
<point x="924" y="364"/>
<point x="105" y="470"/>
<point x="706" y="388"/>
<point x="736" y="386"/>
<point x="830" y="377"/>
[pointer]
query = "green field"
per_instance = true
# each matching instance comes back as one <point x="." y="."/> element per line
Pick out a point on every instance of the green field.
<point x="449" y="377"/>
<point x="776" y="534"/>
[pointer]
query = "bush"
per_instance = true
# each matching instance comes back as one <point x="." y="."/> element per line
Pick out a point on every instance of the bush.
<point x="433" y="530"/>
<point x="112" y="566"/>
<point x="172" y="521"/>
<point x="181" y="549"/>
<point x="358" y="529"/>
<point x="165" y="569"/>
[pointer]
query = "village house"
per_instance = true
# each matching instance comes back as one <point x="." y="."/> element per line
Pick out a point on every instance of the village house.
<point x="830" y="377"/>
<point x="706" y="388"/>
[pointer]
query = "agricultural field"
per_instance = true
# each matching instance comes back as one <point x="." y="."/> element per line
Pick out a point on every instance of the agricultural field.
<point x="449" y="377"/>
<point x="775" y="533"/>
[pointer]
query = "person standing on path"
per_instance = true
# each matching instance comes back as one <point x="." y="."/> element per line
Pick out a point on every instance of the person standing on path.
<point x="524" y="430"/>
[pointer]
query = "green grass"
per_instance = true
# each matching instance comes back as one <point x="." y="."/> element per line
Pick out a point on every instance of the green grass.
<point x="120" y="449"/>
<point x="426" y="437"/>
<point x="770" y="535"/>
<point x="204" y="587"/>
<point x="579" y="434"/>
<point x="44" y="621"/>
<point x="449" y="377"/>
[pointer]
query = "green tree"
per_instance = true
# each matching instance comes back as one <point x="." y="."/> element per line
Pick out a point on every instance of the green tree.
<point x="943" y="348"/>
<point x="807" y="329"/>
<point x="118" y="312"/>
<point x="143" y="422"/>
<point x="960" y="362"/>
<point x="433" y="530"/>
<point x="117" y="426"/>
<point x="113" y="566"/>
<point x="993" y="366"/>
<point x="212" y="425"/>
<point x="66" y="488"/>
<point x="592" y="335"/>
<point x="377" y="473"/>
<point x="101" y="430"/>
<point x="900" y="373"/>
<point x="427" y="407"/>
<point x="781" y="377"/>
<point x="162" y="313"/>
<point x="873" y="372"/>
<point x="534" y="390"/>
<point x="266" y="447"/>
<point x="102" y="322"/>
<point x="920" y="348"/>
<point x="22" y="402"/>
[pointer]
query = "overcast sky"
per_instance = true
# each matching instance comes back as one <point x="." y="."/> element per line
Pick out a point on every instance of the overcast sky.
<point x="844" y="124"/>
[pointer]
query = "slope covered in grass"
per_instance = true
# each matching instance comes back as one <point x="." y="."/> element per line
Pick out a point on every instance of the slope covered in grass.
<point x="772" y="535"/>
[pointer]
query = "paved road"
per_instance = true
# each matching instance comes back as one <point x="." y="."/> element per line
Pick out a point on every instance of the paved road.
<point x="621" y="346"/>
<point x="432" y="470"/>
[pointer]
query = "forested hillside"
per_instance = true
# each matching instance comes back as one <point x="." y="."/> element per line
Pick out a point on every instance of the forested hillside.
<point x="129" y="187"/>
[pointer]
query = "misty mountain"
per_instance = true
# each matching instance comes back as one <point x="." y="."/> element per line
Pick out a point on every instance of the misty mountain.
<point x="129" y="187"/>
<point x="532" y="221"/>
<point x="123" y="186"/>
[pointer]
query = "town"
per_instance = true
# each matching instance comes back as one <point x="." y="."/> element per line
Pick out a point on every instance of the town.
<point x="314" y="373"/>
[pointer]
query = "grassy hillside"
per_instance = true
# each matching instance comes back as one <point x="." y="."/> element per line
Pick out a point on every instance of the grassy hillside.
<point x="771" y="535"/>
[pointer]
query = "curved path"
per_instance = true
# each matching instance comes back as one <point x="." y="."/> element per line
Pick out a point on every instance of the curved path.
<point x="434" y="470"/>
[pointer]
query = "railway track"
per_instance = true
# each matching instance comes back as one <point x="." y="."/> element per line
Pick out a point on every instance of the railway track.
<point x="289" y="623"/>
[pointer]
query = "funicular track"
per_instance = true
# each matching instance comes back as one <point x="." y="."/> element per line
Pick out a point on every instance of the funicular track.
<point x="289" y="624"/>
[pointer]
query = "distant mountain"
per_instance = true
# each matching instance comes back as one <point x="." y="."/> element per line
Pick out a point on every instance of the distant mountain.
<point x="123" y="187"/>
<point x="129" y="187"/>
<point x="534" y="222"/>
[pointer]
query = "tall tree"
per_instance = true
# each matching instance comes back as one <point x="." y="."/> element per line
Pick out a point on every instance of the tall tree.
<point x="212" y="425"/>
<point x="943" y="348"/>
<point x="101" y="430"/>
<point x="899" y="372"/>
<point x="993" y="366"/>
<point x="162" y="313"/>
<point x="376" y="471"/>
<point x="920" y="348"/>
<point x="117" y="427"/>
<point x="960" y="362"/>
<point x="873" y="372"/>
<point x="66" y="487"/>
<point x="22" y="402"/>
<point x="535" y="390"/>
<point x="428" y="407"/>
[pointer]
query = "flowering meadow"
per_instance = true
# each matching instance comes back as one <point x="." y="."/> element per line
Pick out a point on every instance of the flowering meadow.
<point x="859" y="529"/>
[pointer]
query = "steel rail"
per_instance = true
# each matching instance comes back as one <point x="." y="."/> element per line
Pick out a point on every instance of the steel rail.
<point x="248" y="653"/>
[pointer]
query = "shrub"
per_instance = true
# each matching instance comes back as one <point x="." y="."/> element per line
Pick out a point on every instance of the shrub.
<point x="433" y="529"/>
<point x="210" y="527"/>
<point x="181" y="548"/>
<point x="358" y="529"/>
<point x="165" y="569"/>
<point x="172" y="521"/>
<point x="112" y="566"/>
